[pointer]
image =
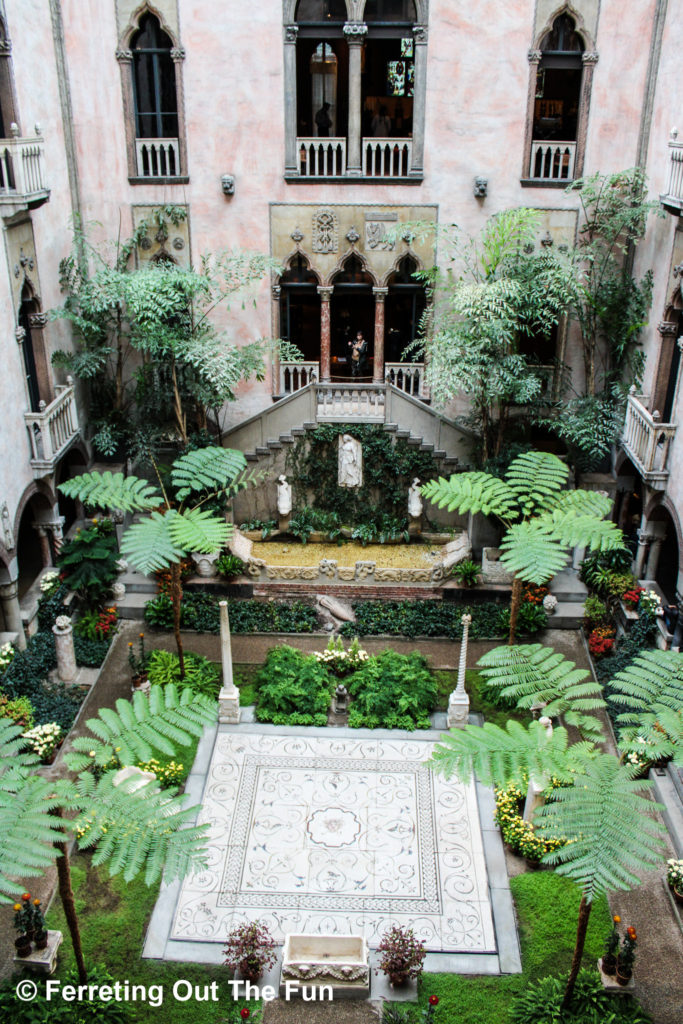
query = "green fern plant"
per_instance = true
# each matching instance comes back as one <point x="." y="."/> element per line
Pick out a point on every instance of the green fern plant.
<point x="650" y="693"/>
<point x="531" y="675"/>
<point x="175" y="524"/>
<point x="543" y="521"/>
<point x="133" y="825"/>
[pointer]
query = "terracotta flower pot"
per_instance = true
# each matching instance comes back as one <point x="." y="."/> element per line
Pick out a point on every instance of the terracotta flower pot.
<point x="609" y="964"/>
<point x="41" y="940"/>
<point x="678" y="894"/>
<point x="398" y="979"/>
<point x="23" y="945"/>
<point x="623" y="975"/>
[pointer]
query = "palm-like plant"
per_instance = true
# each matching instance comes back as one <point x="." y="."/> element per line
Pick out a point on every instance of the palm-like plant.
<point x="650" y="690"/>
<point x="543" y="521"/>
<point x="600" y="809"/>
<point x="175" y="524"/>
<point x="134" y="825"/>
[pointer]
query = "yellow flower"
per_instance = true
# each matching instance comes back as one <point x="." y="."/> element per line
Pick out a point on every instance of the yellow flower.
<point x="17" y="906"/>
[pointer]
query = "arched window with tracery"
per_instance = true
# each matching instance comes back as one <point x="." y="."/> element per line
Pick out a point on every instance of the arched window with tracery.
<point x="560" y="80"/>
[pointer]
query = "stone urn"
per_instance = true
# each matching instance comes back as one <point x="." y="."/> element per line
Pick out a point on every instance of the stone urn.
<point x="206" y="564"/>
<point x="549" y="603"/>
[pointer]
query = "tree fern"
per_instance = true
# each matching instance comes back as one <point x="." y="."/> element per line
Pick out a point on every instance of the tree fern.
<point x="472" y="492"/>
<point x="531" y="674"/>
<point x="27" y="828"/>
<point x="137" y="730"/>
<point x="581" y="502"/>
<point x="112" y="490"/>
<point x="536" y="478"/>
<point x="650" y="690"/>
<point x="571" y="528"/>
<point x="197" y="529"/>
<point x="149" y="544"/>
<point x="529" y="552"/>
<point x="612" y="833"/>
<point x="206" y="469"/>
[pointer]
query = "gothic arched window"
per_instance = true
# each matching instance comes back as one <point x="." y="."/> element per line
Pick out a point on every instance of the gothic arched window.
<point x="154" y="86"/>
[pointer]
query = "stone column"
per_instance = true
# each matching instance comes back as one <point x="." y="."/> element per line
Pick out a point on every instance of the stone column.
<point x="291" y="152"/>
<point x="276" y="385"/>
<point x="653" y="557"/>
<point x="459" y="702"/>
<point x="534" y="58"/>
<point x="229" y="697"/>
<point x="64" y="645"/>
<point x="419" y="99"/>
<point x="589" y="60"/>
<point x="57" y="527"/>
<point x="11" y="610"/>
<point x="534" y="792"/>
<point x="44" y="542"/>
<point x="378" y="372"/>
<point x="178" y="56"/>
<point x="355" y="34"/>
<point x="325" y="294"/>
<point x="641" y="555"/>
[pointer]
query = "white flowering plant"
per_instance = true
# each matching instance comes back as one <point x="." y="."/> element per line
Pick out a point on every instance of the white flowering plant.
<point x="340" y="661"/>
<point x="650" y="602"/>
<point x="49" y="582"/>
<point x="43" y="740"/>
<point x="7" y="652"/>
<point x="674" y="874"/>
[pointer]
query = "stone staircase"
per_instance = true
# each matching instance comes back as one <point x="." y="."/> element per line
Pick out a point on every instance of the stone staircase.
<point x="571" y="594"/>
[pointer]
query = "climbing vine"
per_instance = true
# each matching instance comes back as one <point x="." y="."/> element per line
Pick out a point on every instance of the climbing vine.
<point x="389" y="466"/>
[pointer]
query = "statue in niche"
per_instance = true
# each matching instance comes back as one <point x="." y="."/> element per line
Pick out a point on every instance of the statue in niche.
<point x="350" y="461"/>
<point x="284" y="496"/>
<point x="415" y="499"/>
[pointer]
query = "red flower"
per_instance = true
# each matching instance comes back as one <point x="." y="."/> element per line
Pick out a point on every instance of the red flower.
<point x="26" y="896"/>
<point x="433" y="1000"/>
<point x="244" y="1013"/>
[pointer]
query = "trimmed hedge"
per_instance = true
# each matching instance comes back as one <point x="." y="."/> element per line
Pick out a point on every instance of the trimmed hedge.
<point x="200" y="612"/>
<point x="424" y="618"/>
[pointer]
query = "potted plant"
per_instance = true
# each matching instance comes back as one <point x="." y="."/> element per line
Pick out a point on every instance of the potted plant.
<point x="674" y="877"/>
<point x="23" y="923"/>
<point x="627" y="957"/>
<point x="138" y="663"/>
<point x="612" y="943"/>
<point x="249" y="950"/>
<point x="402" y="955"/>
<point x="39" y="929"/>
<point x="467" y="572"/>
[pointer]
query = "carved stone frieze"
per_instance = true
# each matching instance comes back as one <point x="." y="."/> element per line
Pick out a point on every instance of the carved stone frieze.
<point x="363" y="569"/>
<point x="328" y="567"/>
<point x="667" y="327"/>
<point x="341" y="972"/>
<point x="346" y="572"/>
<point x="37" y="320"/>
<point x="255" y="565"/>
<point x="352" y="235"/>
<point x="325" y="231"/>
<point x="292" y="572"/>
<point x="124" y="56"/>
<point x="291" y="32"/>
<point x="590" y="58"/>
<point x="376" y="236"/>
<point x="355" y="32"/>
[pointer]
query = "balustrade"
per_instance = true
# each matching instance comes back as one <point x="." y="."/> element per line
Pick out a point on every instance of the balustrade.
<point x="294" y="376"/>
<point x="21" y="167"/>
<point x="407" y="377"/>
<point x="347" y="402"/>
<point x="674" y="190"/>
<point x="321" y="158"/>
<point x="53" y="429"/>
<point x="157" y="158"/>
<point x="647" y="441"/>
<point x="552" y="161"/>
<point x="387" y="158"/>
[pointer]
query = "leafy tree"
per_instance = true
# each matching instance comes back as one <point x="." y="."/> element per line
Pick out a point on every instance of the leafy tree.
<point x="543" y="522"/>
<point x="145" y="339"/>
<point x="133" y="825"/>
<point x="600" y="808"/>
<point x="175" y="523"/>
<point x="495" y="292"/>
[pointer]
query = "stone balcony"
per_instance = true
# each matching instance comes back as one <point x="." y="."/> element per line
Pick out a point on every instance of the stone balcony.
<point x="672" y="199"/>
<point x="22" y="173"/>
<point x="52" y="430"/>
<point x="647" y="441"/>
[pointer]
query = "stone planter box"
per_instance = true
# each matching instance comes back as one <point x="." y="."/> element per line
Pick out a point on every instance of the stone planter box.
<point x="42" y="961"/>
<point x="340" y="961"/>
<point x="492" y="569"/>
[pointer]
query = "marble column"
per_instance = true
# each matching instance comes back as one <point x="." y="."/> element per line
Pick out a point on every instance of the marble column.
<point x="229" y="697"/>
<point x="355" y="34"/>
<point x="325" y="294"/>
<point x="291" y="151"/>
<point x="641" y="555"/>
<point x="653" y="557"/>
<point x="419" y="99"/>
<point x="536" y="787"/>
<point x="276" y="384"/>
<point x="11" y="610"/>
<point x="44" y="541"/>
<point x="378" y="372"/>
<point x="534" y="58"/>
<point x="459" y="701"/>
<point x="64" y="646"/>
<point x="589" y="60"/>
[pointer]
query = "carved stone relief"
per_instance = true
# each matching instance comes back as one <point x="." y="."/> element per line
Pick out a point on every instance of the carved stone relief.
<point x="325" y="231"/>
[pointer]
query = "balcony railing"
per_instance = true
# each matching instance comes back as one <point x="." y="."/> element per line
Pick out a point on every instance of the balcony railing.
<point x="672" y="199"/>
<point x="552" y="161"/>
<point x="340" y="403"/>
<point x="647" y="441"/>
<point x="407" y="377"/>
<point x="294" y="376"/>
<point x="157" y="158"/>
<point x="52" y="430"/>
<point x="22" y="172"/>
<point x="322" y="158"/>
<point x="387" y="158"/>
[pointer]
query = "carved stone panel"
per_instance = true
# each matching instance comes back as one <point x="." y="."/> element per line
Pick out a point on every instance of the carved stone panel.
<point x="325" y="231"/>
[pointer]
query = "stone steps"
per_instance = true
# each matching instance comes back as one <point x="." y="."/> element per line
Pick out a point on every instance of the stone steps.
<point x="567" y="615"/>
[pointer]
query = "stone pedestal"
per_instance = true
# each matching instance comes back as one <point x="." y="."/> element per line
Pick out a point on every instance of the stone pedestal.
<point x="459" y="701"/>
<point x="206" y="564"/>
<point x="42" y="961"/>
<point x="64" y="645"/>
<point x="534" y="799"/>
<point x="11" y="610"/>
<point x="415" y="526"/>
<point x="283" y="523"/>
<point x="229" y="697"/>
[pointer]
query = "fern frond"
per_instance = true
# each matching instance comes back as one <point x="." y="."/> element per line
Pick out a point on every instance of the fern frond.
<point x="498" y="755"/>
<point x="582" y="503"/>
<point x="149" y="545"/>
<point x="532" y="674"/>
<point x="198" y="529"/>
<point x="571" y="529"/>
<point x="136" y="828"/>
<point x="529" y="551"/>
<point x="612" y="834"/>
<point x="112" y="490"/>
<point x="536" y="478"/>
<point x="473" y="492"/>
<point x="27" y="829"/>
<point x="653" y="677"/>
<point x="138" y="729"/>
<point x="206" y="469"/>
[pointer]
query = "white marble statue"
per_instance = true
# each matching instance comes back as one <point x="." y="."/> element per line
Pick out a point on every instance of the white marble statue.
<point x="284" y="496"/>
<point x="415" y="499"/>
<point x="350" y="461"/>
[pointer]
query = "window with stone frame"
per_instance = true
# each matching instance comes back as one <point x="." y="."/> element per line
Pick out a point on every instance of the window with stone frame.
<point x="561" y="71"/>
<point x="354" y="89"/>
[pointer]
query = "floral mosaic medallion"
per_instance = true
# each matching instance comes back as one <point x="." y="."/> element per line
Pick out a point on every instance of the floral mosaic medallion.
<point x="350" y="835"/>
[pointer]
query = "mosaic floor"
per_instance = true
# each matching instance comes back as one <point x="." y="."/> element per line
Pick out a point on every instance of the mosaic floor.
<point x="337" y="835"/>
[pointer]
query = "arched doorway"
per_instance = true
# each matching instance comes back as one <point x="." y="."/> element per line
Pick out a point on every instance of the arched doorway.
<point x="352" y="310"/>
<point x="34" y="549"/>
<point x="628" y="508"/>
<point x="405" y="305"/>
<point x="30" y="351"/>
<point x="73" y="463"/>
<point x="300" y="308"/>
<point x="663" y="555"/>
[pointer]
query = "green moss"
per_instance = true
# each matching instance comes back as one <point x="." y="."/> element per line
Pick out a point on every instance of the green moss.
<point x="479" y="703"/>
<point x="244" y="681"/>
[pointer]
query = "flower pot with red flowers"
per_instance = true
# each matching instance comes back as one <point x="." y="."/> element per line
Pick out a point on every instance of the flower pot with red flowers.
<point x="38" y="921"/>
<point x="402" y="955"/>
<point x="23" y="922"/>
<point x="612" y="947"/>
<point x="249" y="950"/>
<point x="627" y="957"/>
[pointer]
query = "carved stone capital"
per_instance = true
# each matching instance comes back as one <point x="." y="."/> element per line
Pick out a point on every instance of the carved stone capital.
<point x="534" y="56"/>
<point x="380" y="294"/>
<point x="667" y="327"/>
<point x="355" y="32"/>
<point x="19" y="334"/>
<point x="124" y="56"/>
<point x="276" y="291"/>
<point x="590" y="58"/>
<point x="177" y="54"/>
<point x="325" y="292"/>
<point x="5" y="47"/>
<point x="37" y="320"/>
<point x="291" y="32"/>
<point x="420" y="33"/>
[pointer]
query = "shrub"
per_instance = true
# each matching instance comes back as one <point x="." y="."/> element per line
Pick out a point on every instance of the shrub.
<point x="97" y="624"/>
<point x="424" y="618"/>
<point x="229" y="565"/>
<point x="7" y="652"/>
<point x="402" y="954"/>
<point x="339" y="661"/>
<point x="595" y="612"/>
<point x="201" y="675"/>
<point x="392" y="691"/>
<point x="43" y="740"/>
<point x="250" y="949"/>
<point x="613" y="561"/>
<point x="200" y="612"/>
<point x="601" y="641"/>
<point x="169" y="773"/>
<point x="20" y="710"/>
<point x="541" y="1003"/>
<point x="518" y="833"/>
<point x="91" y="653"/>
<point x="467" y="572"/>
<point x="530" y="620"/>
<point x="88" y="561"/>
<point x="266" y="526"/>
<point x="293" y="689"/>
<point x="27" y="677"/>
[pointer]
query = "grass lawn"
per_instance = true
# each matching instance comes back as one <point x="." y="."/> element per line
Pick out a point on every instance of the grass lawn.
<point x="244" y="676"/>
<point x="479" y="704"/>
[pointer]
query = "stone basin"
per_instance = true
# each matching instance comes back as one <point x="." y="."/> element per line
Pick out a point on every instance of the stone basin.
<point x="339" y="961"/>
